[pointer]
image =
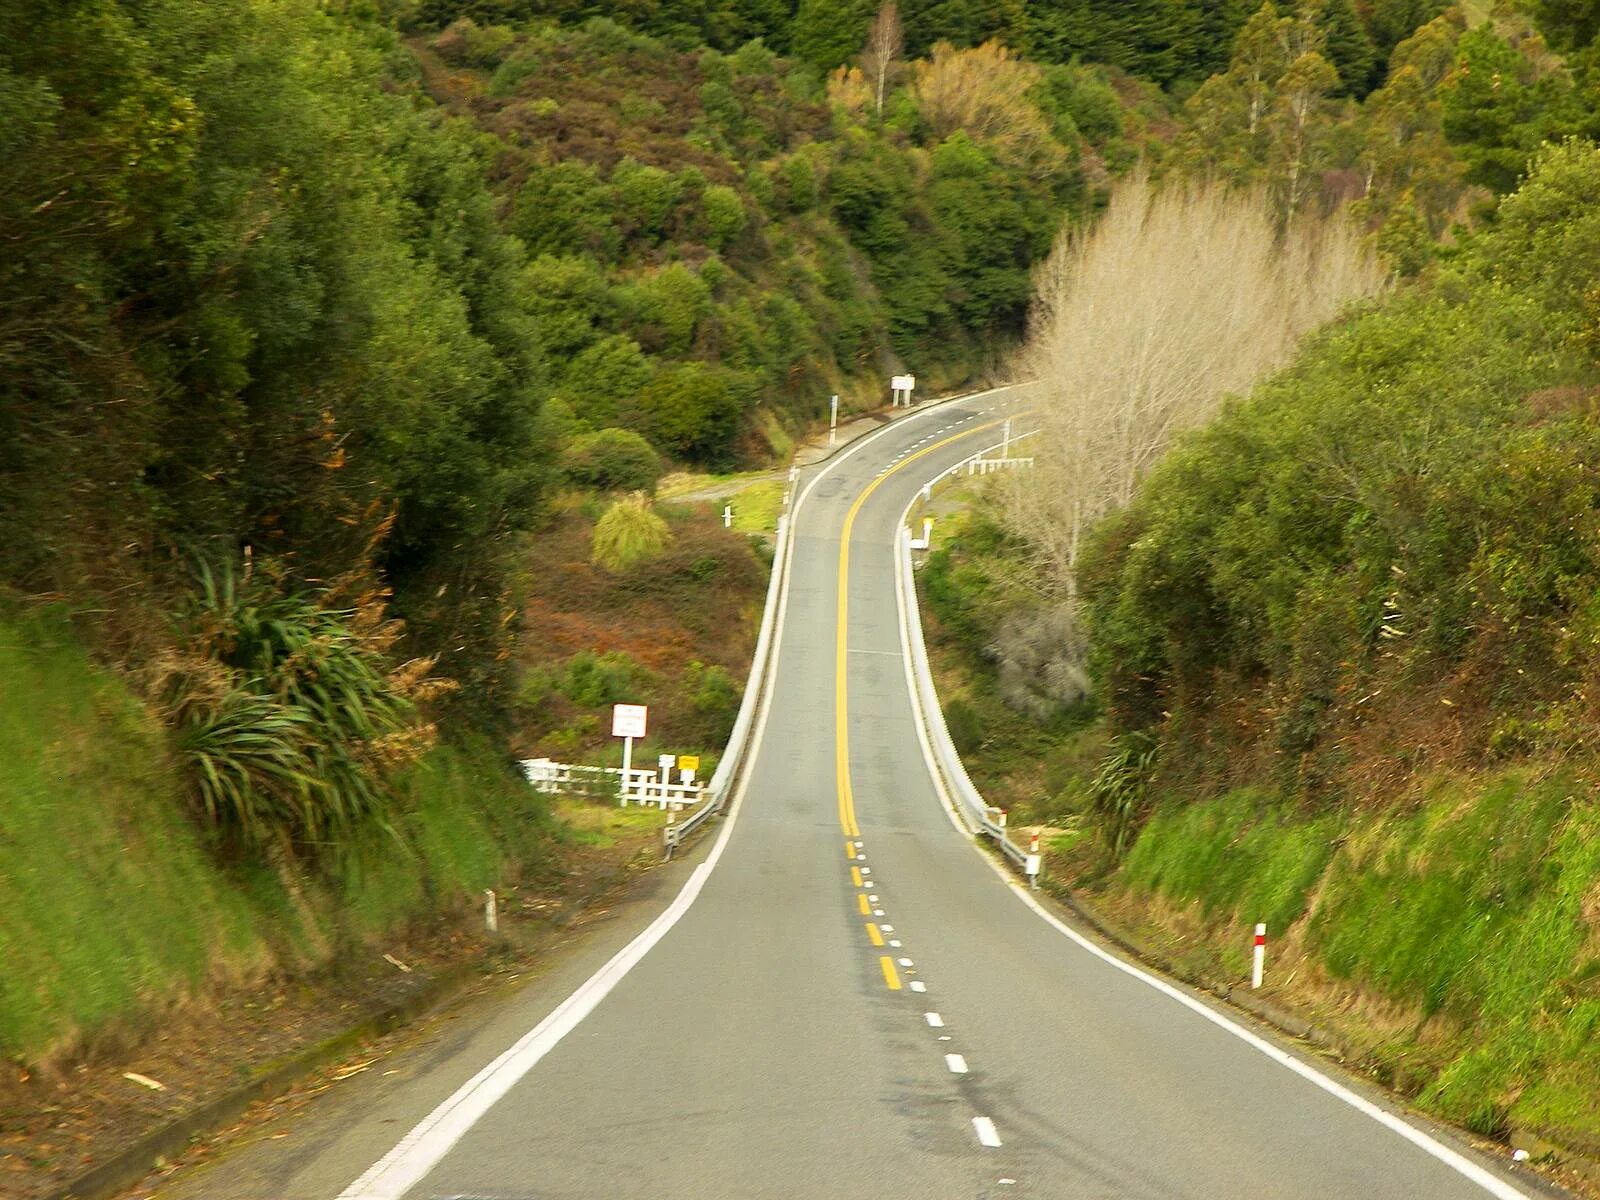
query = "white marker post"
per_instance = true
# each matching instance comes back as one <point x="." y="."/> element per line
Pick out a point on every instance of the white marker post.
<point x="833" y="420"/>
<point x="1033" y="862"/>
<point x="1259" y="958"/>
<point x="491" y="914"/>
<point x="1005" y="440"/>
<point x="927" y="532"/>
<point x="900" y="388"/>
<point x="628" y="721"/>
<point x="666" y="762"/>
<point x="727" y="516"/>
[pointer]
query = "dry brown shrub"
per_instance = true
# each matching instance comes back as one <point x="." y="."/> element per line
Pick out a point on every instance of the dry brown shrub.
<point x="986" y="93"/>
<point x="1141" y="328"/>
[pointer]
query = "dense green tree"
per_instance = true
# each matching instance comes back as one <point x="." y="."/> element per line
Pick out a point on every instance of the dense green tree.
<point x="1568" y="24"/>
<point x="963" y="23"/>
<point x="1495" y="109"/>
<point x="692" y="409"/>
<point x="826" y="33"/>
<point x="1349" y="48"/>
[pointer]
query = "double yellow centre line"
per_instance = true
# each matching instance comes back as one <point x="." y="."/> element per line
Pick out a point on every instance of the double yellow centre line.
<point x="841" y="733"/>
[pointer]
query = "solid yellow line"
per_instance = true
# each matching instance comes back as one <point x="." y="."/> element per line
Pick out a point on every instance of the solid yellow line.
<point x="855" y="876"/>
<point x="866" y="909"/>
<point x="841" y="735"/>
<point x="890" y="975"/>
<point x="873" y="934"/>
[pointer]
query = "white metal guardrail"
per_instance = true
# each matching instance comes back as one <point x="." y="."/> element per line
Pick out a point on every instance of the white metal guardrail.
<point x="982" y="818"/>
<point x="720" y="788"/>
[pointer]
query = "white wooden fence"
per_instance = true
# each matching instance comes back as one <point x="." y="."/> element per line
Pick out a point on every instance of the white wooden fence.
<point x="641" y="786"/>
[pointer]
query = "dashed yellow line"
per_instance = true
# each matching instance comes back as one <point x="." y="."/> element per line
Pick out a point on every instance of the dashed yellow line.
<point x="841" y="734"/>
<point x="855" y="876"/>
<point x="890" y="976"/>
<point x="873" y="934"/>
<point x="866" y="908"/>
<point x="850" y="851"/>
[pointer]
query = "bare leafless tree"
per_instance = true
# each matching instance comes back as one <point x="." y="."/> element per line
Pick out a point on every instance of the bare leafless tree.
<point x="885" y="42"/>
<point x="1176" y="299"/>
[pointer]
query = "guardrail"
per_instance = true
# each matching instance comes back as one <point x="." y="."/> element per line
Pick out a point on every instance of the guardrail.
<point x="981" y="817"/>
<point x="721" y="785"/>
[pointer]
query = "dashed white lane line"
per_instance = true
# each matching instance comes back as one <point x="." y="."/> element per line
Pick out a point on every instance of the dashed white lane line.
<point x="987" y="1134"/>
<point x="918" y="986"/>
<point x="934" y="1019"/>
<point x="957" y="1064"/>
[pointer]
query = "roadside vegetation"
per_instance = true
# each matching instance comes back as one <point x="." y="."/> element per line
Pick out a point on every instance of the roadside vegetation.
<point x="1335" y="647"/>
<point x="344" y="349"/>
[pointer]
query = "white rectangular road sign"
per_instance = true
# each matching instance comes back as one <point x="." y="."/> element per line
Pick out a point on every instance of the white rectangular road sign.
<point x="628" y="720"/>
<point x="902" y="383"/>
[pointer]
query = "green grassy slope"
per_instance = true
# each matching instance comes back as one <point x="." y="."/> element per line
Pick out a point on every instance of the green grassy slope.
<point x="1472" y="913"/>
<point x="111" y="904"/>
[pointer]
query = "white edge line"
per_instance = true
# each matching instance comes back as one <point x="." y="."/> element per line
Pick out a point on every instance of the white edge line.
<point x="421" y="1149"/>
<point x="1453" y="1159"/>
<point x="987" y="1134"/>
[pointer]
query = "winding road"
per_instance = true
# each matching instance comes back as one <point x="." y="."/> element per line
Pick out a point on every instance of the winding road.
<point x="836" y="996"/>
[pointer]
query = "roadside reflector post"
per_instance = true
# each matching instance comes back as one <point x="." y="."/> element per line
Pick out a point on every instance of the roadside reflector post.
<point x="1030" y="867"/>
<point x="927" y="532"/>
<point x="666" y="762"/>
<point x="1259" y="958"/>
<point x="833" y="420"/>
<point x="727" y="516"/>
<point x="491" y="914"/>
<point x="1002" y="813"/>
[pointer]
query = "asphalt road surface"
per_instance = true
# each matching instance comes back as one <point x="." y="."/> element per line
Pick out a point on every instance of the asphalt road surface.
<point x="846" y="1001"/>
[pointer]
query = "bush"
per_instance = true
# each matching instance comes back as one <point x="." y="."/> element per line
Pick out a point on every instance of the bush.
<point x="288" y="722"/>
<point x="692" y="409"/>
<point x="613" y="460"/>
<point x="712" y="691"/>
<point x="961" y="721"/>
<point x="629" y="532"/>
<point x="595" y="680"/>
<point x="723" y="213"/>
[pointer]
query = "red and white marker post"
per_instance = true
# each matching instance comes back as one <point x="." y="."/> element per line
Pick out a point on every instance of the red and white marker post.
<point x="1031" y="866"/>
<point x="1259" y="957"/>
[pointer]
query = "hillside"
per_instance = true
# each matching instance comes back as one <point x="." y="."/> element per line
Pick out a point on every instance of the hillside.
<point x="1342" y="661"/>
<point x="335" y="340"/>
